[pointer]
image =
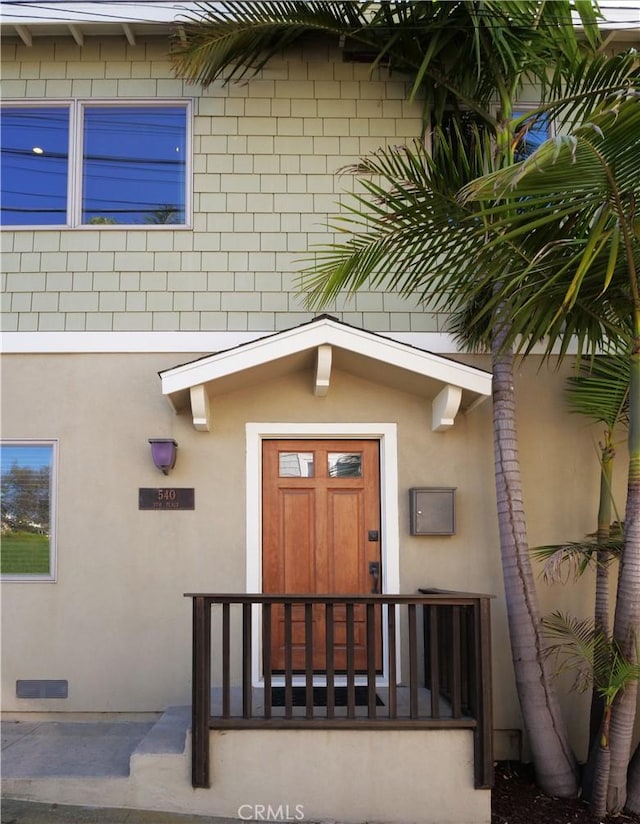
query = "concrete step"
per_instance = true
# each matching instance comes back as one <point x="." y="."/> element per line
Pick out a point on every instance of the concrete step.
<point x="168" y="735"/>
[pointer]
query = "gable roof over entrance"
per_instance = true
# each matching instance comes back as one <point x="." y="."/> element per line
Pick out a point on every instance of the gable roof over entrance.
<point x="320" y="346"/>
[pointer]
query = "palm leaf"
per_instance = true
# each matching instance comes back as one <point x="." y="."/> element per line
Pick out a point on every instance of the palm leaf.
<point x="601" y="390"/>
<point x="570" y="196"/>
<point x="572" y="559"/>
<point x="590" y="654"/>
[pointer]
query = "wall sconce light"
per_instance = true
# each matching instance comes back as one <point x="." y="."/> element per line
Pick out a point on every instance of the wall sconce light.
<point x="163" y="452"/>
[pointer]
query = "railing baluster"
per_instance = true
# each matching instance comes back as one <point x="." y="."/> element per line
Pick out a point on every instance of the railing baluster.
<point x="226" y="660"/>
<point x="393" y="685"/>
<point x="201" y="692"/>
<point x="308" y="658"/>
<point x="444" y="645"/>
<point x="413" y="663"/>
<point x="330" y="660"/>
<point x="434" y="661"/>
<point x="247" y="709"/>
<point x="456" y="682"/>
<point x="288" y="662"/>
<point x="266" y="658"/>
<point x="351" y="666"/>
<point x="371" y="660"/>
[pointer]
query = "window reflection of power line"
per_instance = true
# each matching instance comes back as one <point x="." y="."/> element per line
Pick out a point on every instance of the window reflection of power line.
<point x="62" y="195"/>
<point x="138" y="161"/>
<point x="132" y="209"/>
<point x="172" y="122"/>
<point x="26" y="210"/>
<point x="172" y="182"/>
<point x="166" y="174"/>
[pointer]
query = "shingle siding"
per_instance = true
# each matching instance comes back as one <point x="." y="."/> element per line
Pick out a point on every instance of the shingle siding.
<point x="264" y="185"/>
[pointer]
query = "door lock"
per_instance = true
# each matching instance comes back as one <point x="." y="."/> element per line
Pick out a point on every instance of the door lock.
<point x="374" y="535"/>
<point x="374" y="571"/>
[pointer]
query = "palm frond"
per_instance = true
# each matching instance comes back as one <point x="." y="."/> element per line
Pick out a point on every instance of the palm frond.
<point x="235" y="39"/>
<point x="561" y="206"/>
<point x="403" y="188"/>
<point x="571" y="559"/>
<point x="601" y="390"/>
<point x="590" y="654"/>
<point x="573" y="645"/>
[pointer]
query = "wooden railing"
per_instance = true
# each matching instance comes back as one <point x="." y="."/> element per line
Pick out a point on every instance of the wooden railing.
<point x="350" y="662"/>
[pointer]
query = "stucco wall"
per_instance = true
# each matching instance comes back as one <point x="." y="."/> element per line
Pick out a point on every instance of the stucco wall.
<point x="115" y="623"/>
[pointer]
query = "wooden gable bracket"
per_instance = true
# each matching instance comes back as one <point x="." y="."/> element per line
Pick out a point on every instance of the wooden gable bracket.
<point x="445" y="407"/>
<point x="200" y="409"/>
<point x="25" y="35"/>
<point x="128" y="33"/>
<point x="323" y="370"/>
<point x="77" y="35"/>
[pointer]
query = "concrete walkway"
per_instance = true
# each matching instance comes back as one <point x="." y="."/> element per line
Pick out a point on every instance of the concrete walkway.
<point x="91" y="750"/>
<point x="31" y="812"/>
<point x="44" y="749"/>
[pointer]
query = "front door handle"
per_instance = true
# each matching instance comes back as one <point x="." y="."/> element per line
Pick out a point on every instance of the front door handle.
<point x="374" y="571"/>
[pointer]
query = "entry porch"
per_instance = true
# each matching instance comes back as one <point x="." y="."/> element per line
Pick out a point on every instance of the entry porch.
<point x="388" y="663"/>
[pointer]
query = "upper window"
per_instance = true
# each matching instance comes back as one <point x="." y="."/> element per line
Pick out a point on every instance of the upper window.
<point x="27" y="550"/>
<point x="94" y="164"/>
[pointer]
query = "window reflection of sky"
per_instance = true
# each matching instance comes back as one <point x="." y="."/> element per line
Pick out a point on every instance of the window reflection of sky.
<point x="31" y="456"/>
<point x="134" y="165"/>
<point x="34" y="186"/>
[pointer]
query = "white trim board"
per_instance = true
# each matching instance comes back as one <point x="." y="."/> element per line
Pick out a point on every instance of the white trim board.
<point x="152" y="342"/>
<point x="387" y="435"/>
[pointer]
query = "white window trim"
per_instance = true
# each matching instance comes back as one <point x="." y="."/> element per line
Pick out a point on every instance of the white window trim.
<point x="52" y="576"/>
<point x="76" y="108"/>
<point x="387" y="435"/>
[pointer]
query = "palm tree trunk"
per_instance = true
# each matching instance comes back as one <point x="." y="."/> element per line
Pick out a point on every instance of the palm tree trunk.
<point x="602" y="770"/>
<point x="633" y="784"/>
<point x="555" y="766"/>
<point x="601" y="612"/>
<point x="592" y="770"/>
<point x="626" y="628"/>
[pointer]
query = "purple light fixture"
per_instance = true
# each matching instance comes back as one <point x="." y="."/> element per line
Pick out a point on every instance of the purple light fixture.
<point x="163" y="452"/>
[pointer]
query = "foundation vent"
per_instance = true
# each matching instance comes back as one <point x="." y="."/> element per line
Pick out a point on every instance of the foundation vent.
<point x="42" y="688"/>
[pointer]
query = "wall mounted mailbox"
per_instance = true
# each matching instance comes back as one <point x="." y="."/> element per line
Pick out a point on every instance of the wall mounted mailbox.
<point x="432" y="510"/>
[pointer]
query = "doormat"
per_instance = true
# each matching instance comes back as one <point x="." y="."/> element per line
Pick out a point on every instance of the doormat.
<point x="299" y="697"/>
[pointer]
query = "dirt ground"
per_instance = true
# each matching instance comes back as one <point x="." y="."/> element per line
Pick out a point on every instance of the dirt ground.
<point x="516" y="800"/>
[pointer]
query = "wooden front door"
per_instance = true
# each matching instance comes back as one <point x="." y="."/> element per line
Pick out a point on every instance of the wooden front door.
<point x="321" y="535"/>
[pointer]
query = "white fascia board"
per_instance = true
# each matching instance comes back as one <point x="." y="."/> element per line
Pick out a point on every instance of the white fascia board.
<point x="178" y="342"/>
<point x="313" y="335"/>
<point x="129" y="342"/>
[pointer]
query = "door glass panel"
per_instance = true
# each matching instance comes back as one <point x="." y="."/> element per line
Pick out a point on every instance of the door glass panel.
<point x="345" y="464"/>
<point x="296" y="465"/>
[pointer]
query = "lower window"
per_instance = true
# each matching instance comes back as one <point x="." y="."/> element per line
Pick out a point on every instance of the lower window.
<point x="27" y="549"/>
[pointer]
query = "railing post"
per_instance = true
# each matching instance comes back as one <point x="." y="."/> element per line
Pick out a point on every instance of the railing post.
<point x="483" y="733"/>
<point x="201" y="692"/>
